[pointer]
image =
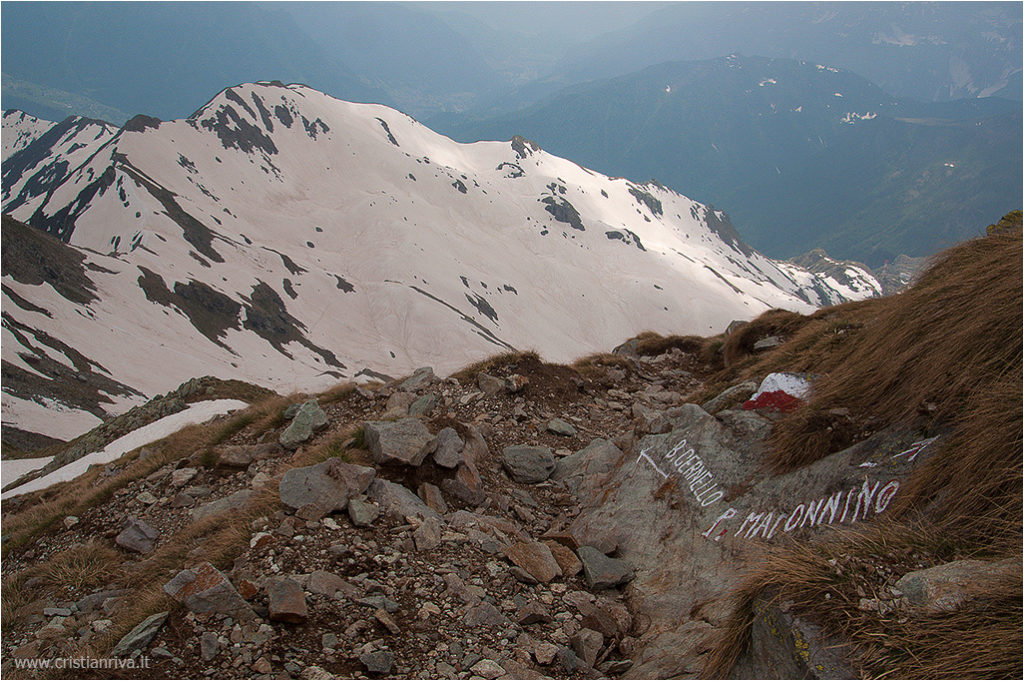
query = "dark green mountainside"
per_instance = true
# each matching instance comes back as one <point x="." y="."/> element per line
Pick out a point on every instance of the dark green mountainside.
<point x="801" y="155"/>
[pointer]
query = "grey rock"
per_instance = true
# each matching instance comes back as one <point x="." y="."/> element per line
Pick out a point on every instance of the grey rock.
<point x="56" y="612"/>
<point x="602" y="572"/>
<point x="405" y="441"/>
<point x="329" y="584"/>
<point x="397" y="502"/>
<point x="139" y="637"/>
<point x="421" y="378"/>
<point x="528" y="464"/>
<point x="483" y="614"/>
<point x="146" y="498"/>
<point x="945" y="588"/>
<point x="362" y="513"/>
<point x="240" y="456"/>
<point x="328" y="485"/>
<point x="182" y="476"/>
<point x="488" y="669"/>
<point x="584" y="470"/>
<point x="560" y="427"/>
<point x="229" y="503"/>
<point x="428" y="535"/>
<point x="448" y="452"/>
<point x="567" y="660"/>
<point x="205" y="589"/>
<point x="490" y="385"/>
<point x="378" y="602"/>
<point x="423" y="406"/>
<point x="209" y="646"/>
<point x="292" y="410"/>
<point x="730" y="396"/>
<point x="378" y="662"/>
<point x="767" y="343"/>
<point x="475" y="449"/>
<point x="308" y="420"/>
<point x="137" y="536"/>
<point x="399" y="403"/>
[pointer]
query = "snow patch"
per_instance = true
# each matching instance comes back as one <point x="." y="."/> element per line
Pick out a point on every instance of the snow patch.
<point x="199" y="412"/>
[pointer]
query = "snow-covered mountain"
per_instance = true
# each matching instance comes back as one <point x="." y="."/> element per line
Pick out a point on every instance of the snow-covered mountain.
<point x="287" y="238"/>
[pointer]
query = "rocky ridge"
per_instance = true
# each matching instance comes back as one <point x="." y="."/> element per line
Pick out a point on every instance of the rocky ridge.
<point x="516" y="520"/>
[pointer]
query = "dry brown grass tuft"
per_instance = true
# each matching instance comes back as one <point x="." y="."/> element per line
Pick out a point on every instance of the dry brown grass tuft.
<point x="596" y="364"/>
<point x="923" y="353"/>
<point x="651" y="343"/>
<point x="491" y="364"/>
<point x="740" y="343"/>
<point x="825" y="581"/>
<point x="336" y="394"/>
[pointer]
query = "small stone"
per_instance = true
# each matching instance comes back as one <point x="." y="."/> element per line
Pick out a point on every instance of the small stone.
<point x="423" y="405"/>
<point x="286" y="602"/>
<point x="70" y="521"/>
<point x="378" y="662"/>
<point x="485" y="615"/>
<point x="531" y="613"/>
<point x="384" y="618"/>
<point x="182" y="476"/>
<point x="57" y="612"/>
<point x="329" y="641"/>
<point x="261" y="540"/>
<point x="209" y="646"/>
<point x="489" y="669"/>
<point x="362" y="513"/>
<point x="528" y="464"/>
<point x="428" y="535"/>
<point x="586" y="643"/>
<point x="137" y="536"/>
<point x="602" y="572"/>
<point x="262" y="666"/>
<point x="146" y="498"/>
<point x="544" y="653"/>
<point x="100" y="626"/>
<point x="204" y="589"/>
<point x="560" y="427"/>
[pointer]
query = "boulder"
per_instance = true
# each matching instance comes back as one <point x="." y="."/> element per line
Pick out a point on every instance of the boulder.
<point x="229" y="503"/>
<point x="583" y="471"/>
<point x="137" y="536"/>
<point x="423" y="406"/>
<point x="467" y="485"/>
<point x="397" y="502"/>
<point x="944" y="588"/>
<point x="327" y="485"/>
<point x="527" y="464"/>
<point x="602" y="572"/>
<point x="421" y="378"/>
<point x="448" y="452"/>
<point x="405" y="441"/>
<point x="205" y="589"/>
<point x="308" y="420"/>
